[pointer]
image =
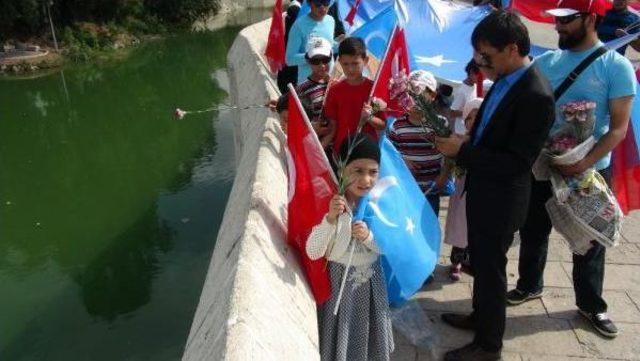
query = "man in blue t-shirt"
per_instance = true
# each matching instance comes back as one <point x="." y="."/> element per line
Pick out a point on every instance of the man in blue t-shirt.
<point x="314" y="24"/>
<point x="609" y="82"/>
<point x="617" y="22"/>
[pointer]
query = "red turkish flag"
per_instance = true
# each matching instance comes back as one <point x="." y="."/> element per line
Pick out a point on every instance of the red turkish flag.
<point x="535" y="10"/>
<point x="352" y="13"/>
<point x="396" y="59"/>
<point x="625" y="164"/>
<point x="625" y="173"/>
<point x="276" y="47"/>
<point x="311" y="186"/>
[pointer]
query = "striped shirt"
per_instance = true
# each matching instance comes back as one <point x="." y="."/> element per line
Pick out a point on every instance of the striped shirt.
<point x="418" y="150"/>
<point x="314" y="92"/>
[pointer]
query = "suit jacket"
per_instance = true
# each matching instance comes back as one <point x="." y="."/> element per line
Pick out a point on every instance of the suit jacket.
<point x="498" y="181"/>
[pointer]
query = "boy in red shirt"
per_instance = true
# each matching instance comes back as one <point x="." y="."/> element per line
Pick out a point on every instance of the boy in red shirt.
<point x="347" y="102"/>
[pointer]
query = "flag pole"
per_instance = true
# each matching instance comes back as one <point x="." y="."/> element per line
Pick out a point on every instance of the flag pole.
<point x="292" y="92"/>
<point x="344" y="278"/>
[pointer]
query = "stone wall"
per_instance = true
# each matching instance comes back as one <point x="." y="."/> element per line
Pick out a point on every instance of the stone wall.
<point x="237" y="12"/>
<point x="255" y="303"/>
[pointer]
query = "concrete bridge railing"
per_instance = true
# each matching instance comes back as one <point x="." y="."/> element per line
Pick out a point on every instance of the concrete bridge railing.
<point x="255" y="303"/>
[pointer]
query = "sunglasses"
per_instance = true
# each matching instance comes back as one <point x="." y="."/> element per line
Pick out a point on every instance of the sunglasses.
<point x="324" y="3"/>
<point x="564" y="20"/>
<point x="317" y="60"/>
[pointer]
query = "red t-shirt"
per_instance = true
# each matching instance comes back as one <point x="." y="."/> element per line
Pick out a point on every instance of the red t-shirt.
<point x="344" y="106"/>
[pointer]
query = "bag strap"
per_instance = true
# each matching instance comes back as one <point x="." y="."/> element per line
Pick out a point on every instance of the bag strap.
<point x="566" y="84"/>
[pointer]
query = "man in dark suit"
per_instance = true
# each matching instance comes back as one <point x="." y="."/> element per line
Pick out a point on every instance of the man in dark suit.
<point x="509" y="132"/>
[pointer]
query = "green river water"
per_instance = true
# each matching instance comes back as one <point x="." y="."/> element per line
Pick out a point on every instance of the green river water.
<point x="109" y="207"/>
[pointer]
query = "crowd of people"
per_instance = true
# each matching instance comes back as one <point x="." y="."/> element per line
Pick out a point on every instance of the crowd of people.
<point x="494" y="144"/>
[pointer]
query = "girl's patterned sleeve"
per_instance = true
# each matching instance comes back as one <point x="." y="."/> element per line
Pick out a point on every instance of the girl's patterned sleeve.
<point x="371" y="243"/>
<point x="319" y="239"/>
<point x="322" y="239"/>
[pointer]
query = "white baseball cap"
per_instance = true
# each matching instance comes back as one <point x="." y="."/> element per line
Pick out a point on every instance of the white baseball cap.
<point x="317" y="46"/>
<point x="571" y="7"/>
<point x="421" y="80"/>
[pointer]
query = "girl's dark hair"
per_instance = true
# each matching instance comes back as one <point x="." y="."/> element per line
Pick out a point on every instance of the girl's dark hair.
<point x="502" y="28"/>
<point x="283" y="104"/>
<point x="353" y="46"/>
<point x="472" y="67"/>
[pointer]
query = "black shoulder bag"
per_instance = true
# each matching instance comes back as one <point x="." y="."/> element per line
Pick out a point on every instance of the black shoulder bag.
<point x="566" y="84"/>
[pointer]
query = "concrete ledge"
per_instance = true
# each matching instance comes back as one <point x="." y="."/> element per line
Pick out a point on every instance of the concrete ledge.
<point x="255" y="303"/>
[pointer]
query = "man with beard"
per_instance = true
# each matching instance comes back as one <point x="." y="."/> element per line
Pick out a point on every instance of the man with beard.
<point x="507" y="136"/>
<point x="608" y="81"/>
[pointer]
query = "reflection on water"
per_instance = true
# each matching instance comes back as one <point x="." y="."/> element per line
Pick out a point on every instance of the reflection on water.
<point x="109" y="208"/>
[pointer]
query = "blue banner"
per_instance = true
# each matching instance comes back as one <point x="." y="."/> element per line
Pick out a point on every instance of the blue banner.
<point x="404" y="226"/>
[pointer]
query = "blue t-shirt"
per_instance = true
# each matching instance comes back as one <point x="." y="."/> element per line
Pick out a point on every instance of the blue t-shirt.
<point x="304" y="28"/>
<point x="608" y="77"/>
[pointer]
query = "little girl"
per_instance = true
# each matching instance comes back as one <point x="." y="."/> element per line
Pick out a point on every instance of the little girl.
<point x="361" y="330"/>
<point x="455" y="232"/>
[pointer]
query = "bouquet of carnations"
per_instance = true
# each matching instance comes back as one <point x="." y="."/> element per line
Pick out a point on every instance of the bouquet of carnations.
<point x="409" y="95"/>
<point x="582" y="208"/>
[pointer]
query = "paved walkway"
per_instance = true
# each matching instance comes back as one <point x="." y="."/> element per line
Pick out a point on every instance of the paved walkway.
<point x="549" y="328"/>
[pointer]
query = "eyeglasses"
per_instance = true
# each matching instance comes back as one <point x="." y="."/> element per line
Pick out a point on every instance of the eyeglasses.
<point x="324" y="3"/>
<point x="317" y="60"/>
<point x="564" y="20"/>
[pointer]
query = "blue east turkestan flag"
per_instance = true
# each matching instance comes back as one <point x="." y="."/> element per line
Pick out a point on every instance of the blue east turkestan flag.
<point x="404" y="226"/>
<point x="367" y="10"/>
<point x="377" y="31"/>
<point x="438" y="33"/>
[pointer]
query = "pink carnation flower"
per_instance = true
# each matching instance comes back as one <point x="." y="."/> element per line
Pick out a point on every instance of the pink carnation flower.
<point x="179" y="113"/>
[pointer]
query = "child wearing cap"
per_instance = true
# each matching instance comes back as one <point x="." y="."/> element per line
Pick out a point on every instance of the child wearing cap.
<point x="314" y="88"/>
<point x="455" y="232"/>
<point x="417" y="147"/>
<point x="347" y="100"/>
<point x="312" y="91"/>
<point x="315" y="24"/>
<point x="361" y="330"/>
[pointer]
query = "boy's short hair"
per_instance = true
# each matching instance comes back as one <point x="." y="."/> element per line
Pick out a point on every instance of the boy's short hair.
<point x="353" y="46"/>
<point x="502" y="28"/>
<point x="283" y="104"/>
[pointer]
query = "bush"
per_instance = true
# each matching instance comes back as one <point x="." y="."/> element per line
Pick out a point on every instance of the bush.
<point x="22" y="17"/>
<point x="29" y="17"/>
<point x="182" y="12"/>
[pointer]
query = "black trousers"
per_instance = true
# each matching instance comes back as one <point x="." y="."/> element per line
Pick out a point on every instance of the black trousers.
<point x="488" y="255"/>
<point x="588" y="270"/>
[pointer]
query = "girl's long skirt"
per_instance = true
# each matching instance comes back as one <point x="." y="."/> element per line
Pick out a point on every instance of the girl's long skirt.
<point x="362" y="328"/>
<point x="455" y="231"/>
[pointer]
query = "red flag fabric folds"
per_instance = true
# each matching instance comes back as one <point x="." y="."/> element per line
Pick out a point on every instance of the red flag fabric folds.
<point x="311" y="186"/>
<point x="276" y="47"/>
<point x="535" y="9"/>
<point x="625" y="167"/>
<point x="395" y="59"/>
<point x="626" y="173"/>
